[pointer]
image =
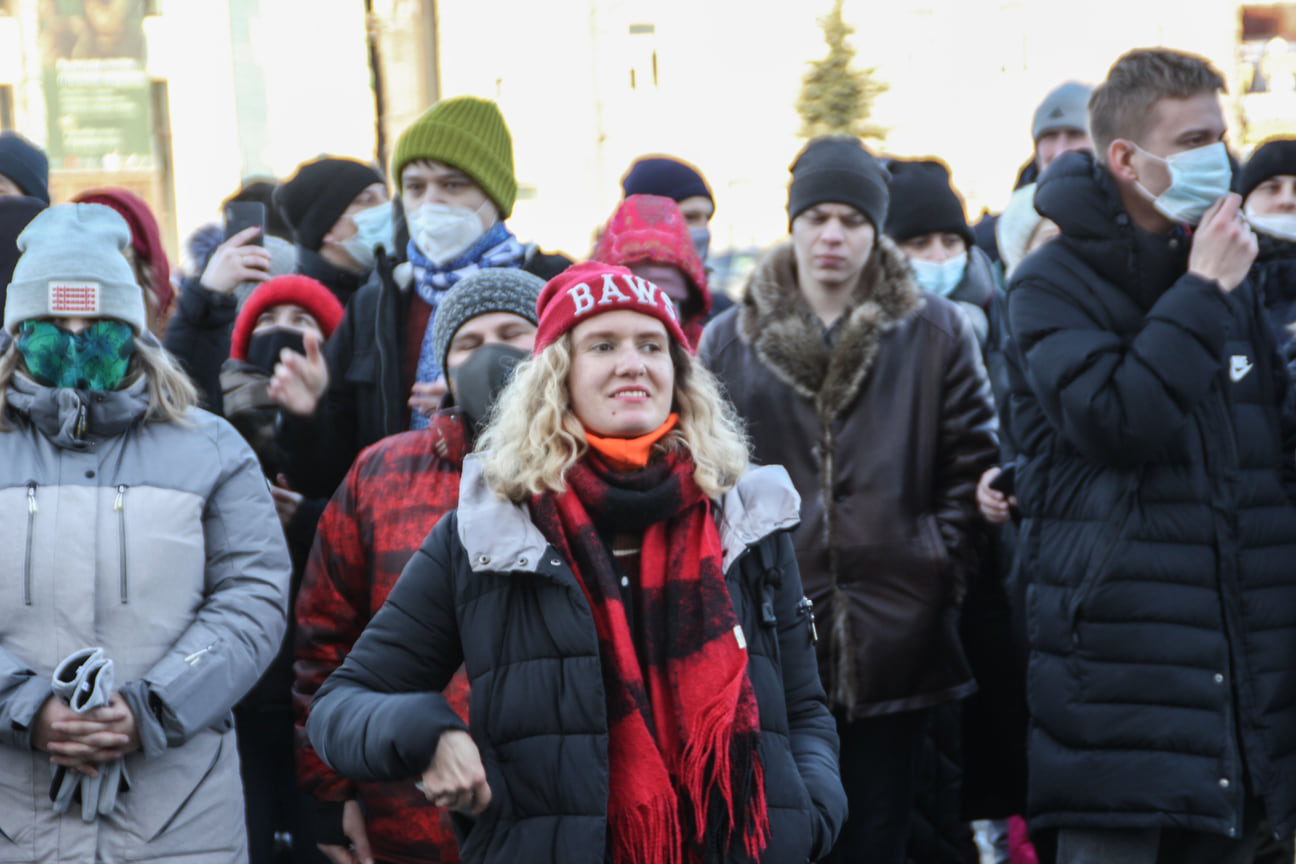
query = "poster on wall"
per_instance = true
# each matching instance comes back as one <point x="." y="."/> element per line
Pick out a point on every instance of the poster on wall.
<point x="96" y="85"/>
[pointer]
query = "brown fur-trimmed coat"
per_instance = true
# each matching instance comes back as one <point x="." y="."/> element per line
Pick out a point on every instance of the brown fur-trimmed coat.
<point x="885" y="433"/>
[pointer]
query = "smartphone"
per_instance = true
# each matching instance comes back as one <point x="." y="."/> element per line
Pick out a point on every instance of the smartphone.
<point x="1006" y="481"/>
<point x="244" y="214"/>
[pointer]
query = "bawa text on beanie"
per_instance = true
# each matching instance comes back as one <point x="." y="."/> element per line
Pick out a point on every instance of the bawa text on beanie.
<point x="585" y="291"/>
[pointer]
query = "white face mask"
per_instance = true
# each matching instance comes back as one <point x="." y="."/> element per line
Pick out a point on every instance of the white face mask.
<point x="443" y="232"/>
<point x="373" y="229"/>
<point x="940" y="277"/>
<point x="1280" y="225"/>
<point x="1198" y="178"/>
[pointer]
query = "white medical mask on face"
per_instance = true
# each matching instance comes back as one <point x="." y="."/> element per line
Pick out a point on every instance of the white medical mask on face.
<point x="1279" y="225"/>
<point x="443" y="232"/>
<point x="1198" y="178"/>
<point x="940" y="277"/>
<point x="373" y="229"/>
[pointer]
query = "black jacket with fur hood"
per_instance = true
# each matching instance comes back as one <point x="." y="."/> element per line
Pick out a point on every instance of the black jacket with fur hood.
<point x="885" y="433"/>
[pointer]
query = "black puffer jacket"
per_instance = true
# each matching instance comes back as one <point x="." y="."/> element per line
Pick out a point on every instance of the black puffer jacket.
<point x="1274" y="274"/>
<point x="1155" y="477"/>
<point x="526" y="638"/>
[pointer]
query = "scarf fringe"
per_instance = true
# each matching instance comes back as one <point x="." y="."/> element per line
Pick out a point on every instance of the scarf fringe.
<point x="647" y="832"/>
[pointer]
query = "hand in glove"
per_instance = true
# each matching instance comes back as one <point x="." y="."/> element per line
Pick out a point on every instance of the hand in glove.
<point x="100" y="730"/>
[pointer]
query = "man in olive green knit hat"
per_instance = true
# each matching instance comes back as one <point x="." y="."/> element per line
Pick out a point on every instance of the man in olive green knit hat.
<point x="380" y="373"/>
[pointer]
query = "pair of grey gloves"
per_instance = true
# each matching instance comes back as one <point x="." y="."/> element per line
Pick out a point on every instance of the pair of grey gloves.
<point x="84" y="680"/>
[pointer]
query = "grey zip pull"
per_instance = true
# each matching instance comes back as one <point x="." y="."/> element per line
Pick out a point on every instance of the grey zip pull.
<point x="806" y="608"/>
<point x="119" y="506"/>
<point x="31" y="527"/>
<point x="196" y="657"/>
<point x="80" y="429"/>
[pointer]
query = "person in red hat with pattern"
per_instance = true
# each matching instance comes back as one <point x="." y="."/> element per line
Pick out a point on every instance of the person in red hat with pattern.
<point x="620" y="586"/>
<point x="649" y="235"/>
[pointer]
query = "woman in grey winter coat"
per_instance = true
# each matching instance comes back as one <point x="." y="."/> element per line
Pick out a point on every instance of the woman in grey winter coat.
<point x="145" y="580"/>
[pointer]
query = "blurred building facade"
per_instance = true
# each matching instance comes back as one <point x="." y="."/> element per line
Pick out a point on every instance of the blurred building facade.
<point x="182" y="99"/>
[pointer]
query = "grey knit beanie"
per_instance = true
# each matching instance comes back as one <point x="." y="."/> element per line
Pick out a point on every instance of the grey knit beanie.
<point x="1066" y="107"/>
<point x="73" y="266"/>
<point x="494" y="289"/>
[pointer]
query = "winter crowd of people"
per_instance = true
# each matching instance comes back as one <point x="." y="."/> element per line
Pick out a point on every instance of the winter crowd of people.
<point x="380" y="535"/>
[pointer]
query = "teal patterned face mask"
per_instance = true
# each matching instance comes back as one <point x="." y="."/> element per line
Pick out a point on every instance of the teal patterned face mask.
<point x="94" y="359"/>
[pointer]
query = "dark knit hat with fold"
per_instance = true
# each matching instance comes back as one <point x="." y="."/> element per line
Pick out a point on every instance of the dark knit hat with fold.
<point x="667" y="177"/>
<point x="493" y="289"/>
<point x="315" y="198"/>
<point x="1272" y="158"/>
<point x="468" y="134"/>
<point x="25" y="164"/>
<point x="924" y="202"/>
<point x="836" y="169"/>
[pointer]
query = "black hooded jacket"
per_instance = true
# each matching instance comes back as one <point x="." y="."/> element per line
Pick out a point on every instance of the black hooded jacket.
<point x="1155" y="476"/>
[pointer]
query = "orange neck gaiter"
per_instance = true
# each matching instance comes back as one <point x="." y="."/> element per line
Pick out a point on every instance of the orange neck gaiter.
<point x="629" y="454"/>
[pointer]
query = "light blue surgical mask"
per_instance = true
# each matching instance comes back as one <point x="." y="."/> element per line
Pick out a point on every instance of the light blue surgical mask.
<point x="701" y="238"/>
<point x="940" y="277"/>
<point x="374" y="228"/>
<point x="1198" y="178"/>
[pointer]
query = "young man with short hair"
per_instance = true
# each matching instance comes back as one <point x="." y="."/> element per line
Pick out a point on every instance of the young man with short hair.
<point x="875" y="399"/>
<point x="1155" y="481"/>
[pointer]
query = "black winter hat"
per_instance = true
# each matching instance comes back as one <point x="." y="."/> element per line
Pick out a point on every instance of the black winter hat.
<point x="15" y="212"/>
<point x="319" y="193"/>
<point x="665" y="176"/>
<point x="261" y="190"/>
<point x="1273" y="157"/>
<point x="924" y="202"/>
<point x="25" y="164"/>
<point x="837" y="169"/>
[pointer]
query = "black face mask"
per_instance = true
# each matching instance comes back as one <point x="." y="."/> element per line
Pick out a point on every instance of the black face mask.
<point x="480" y="379"/>
<point x="264" y="347"/>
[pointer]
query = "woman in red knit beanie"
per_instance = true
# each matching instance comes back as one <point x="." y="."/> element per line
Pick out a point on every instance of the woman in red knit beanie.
<point x="621" y="588"/>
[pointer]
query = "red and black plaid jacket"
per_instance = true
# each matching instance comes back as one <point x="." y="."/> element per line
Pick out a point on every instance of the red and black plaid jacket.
<point x="392" y="496"/>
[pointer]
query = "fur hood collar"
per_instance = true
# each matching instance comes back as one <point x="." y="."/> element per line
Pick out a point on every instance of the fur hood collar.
<point x="777" y="322"/>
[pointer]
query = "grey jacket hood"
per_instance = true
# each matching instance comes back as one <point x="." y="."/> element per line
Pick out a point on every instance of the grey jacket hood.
<point x="499" y="535"/>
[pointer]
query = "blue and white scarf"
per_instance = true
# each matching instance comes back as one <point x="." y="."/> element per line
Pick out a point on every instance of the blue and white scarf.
<point x="496" y="248"/>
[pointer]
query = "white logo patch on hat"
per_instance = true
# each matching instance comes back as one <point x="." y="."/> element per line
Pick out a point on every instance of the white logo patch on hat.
<point x="74" y="298"/>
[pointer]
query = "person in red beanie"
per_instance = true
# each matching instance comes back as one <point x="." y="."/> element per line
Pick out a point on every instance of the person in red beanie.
<point x="649" y="235"/>
<point x="286" y="313"/>
<point x="146" y="255"/>
<point x="620" y="586"/>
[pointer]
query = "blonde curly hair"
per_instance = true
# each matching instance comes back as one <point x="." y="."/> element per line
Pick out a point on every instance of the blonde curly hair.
<point x="533" y="437"/>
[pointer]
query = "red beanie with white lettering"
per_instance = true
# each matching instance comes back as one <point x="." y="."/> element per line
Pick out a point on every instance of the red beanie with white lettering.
<point x="584" y="291"/>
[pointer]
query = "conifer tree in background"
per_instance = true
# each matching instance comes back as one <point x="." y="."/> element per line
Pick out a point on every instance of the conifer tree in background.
<point x="837" y="99"/>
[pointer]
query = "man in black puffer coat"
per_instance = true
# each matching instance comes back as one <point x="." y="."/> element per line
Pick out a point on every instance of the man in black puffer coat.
<point x="1155" y="475"/>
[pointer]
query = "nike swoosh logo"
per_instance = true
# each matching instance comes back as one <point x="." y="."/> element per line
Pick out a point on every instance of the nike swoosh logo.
<point x="1240" y="366"/>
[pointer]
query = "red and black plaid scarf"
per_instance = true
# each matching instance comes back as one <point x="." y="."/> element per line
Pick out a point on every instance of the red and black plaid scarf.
<point x="685" y="780"/>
